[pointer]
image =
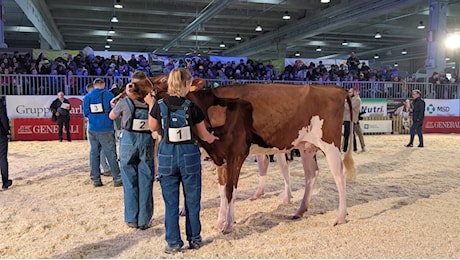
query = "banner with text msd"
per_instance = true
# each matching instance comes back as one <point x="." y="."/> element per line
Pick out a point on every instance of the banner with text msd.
<point x="442" y="107"/>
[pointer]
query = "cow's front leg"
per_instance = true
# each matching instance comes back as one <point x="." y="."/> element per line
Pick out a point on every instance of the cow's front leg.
<point x="310" y="168"/>
<point x="262" y="164"/>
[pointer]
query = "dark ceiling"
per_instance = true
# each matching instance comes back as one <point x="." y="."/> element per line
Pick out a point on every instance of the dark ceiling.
<point x="198" y="26"/>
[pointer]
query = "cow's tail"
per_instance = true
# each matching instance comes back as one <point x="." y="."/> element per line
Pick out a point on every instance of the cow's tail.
<point x="348" y="162"/>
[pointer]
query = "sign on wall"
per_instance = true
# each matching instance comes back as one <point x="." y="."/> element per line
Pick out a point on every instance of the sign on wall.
<point x="43" y="129"/>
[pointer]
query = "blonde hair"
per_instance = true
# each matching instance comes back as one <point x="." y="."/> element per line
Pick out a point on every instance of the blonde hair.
<point x="176" y="81"/>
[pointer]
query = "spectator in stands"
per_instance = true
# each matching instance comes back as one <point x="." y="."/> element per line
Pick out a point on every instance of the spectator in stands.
<point x="60" y="110"/>
<point x="45" y="67"/>
<point x="133" y="61"/>
<point x="352" y="63"/>
<point x="4" y="136"/>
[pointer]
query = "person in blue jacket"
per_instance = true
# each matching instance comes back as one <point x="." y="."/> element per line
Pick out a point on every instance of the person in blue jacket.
<point x="101" y="134"/>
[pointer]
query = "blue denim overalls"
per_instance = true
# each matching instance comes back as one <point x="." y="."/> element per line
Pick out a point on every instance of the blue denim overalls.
<point x="137" y="166"/>
<point x="179" y="161"/>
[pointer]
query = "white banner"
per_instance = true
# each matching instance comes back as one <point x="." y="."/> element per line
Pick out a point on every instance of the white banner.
<point x="376" y="126"/>
<point x="442" y="107"/>
<point x="38" y="106"/>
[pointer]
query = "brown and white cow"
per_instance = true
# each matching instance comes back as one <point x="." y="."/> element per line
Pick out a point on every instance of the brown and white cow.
<point x="281" y="116"/>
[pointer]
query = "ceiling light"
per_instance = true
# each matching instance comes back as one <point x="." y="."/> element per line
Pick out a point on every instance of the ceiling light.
<point x="376" y="56"/>
<point x="396" y="64"/>
<point x="286" y="16"/>
<point x="238" y="37"/>
<point x="118" y="4"/>
<point x="325" y="1"/>
<point x="420" y="25"/>
<point x="404" y="52"/>
<point x="258" y="28"/>
<point x="109" y="39"/>
<point x="107" y="45"/>
<point x="318" y="48"/>
<point x="297" y="54"/>
<point x="377" y="35"/>
<point x="222" y="44"/>
<point x="447" y="58"/>
<point x="114" y="19"/>
<point x="344" y="43"/>
<point x="112" y="31"/>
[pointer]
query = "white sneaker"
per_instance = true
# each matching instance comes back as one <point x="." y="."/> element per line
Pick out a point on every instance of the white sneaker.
<point x="365" y="149"/>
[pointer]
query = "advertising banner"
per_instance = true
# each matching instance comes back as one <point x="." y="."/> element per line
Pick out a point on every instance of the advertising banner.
<point x="374" y="106"/>
<point x="39" y="106"/>
<point x="376" y="126"/>
<point x="441" y="124"/>
<point x="43" y="129"/>
<point x="442" y="107"/>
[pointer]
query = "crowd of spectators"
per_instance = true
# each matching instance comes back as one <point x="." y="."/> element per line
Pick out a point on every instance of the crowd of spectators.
<point x="201" y="67"/>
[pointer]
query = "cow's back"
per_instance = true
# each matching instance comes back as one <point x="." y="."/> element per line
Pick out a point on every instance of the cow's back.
<point x="281" y="110"/>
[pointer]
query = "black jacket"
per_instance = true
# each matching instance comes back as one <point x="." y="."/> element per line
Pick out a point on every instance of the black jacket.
<point x="4" y="121"/>
<point x="418" y="113"/>
<point x="56" y="107"/>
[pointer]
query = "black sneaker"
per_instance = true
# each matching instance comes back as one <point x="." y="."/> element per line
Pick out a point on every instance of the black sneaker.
<point x="194" y="245"/>
<point x="172" y="249"/>
<point x="118" y="184"/>
<point x="7" y="185"/>
<point x="132" y="224"/>
<point x="420" y="145"/>
<point x="97" y="184"/>
<point x="409" y="145"/>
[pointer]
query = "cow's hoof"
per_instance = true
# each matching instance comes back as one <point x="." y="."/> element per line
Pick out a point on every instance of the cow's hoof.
<point x="340" y="222"/>
<point x="296" y="217"/>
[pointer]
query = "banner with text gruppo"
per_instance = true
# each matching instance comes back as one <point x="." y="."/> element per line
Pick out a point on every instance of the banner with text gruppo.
<point x="39" y="106"/>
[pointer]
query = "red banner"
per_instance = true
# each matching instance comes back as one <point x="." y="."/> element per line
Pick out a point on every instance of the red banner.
<point x="43" y="129"/>
<point x="441" y="124"/>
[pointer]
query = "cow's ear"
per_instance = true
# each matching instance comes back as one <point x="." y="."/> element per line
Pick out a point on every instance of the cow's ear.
<point x="197" y="84"/>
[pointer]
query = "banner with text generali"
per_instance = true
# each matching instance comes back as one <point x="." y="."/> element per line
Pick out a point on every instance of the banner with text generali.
<point x="31" y="118"/>
<point x="441" y="124"/>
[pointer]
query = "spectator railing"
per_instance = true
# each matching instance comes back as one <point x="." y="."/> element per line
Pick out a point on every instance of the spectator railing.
<point x="28" y="84"/>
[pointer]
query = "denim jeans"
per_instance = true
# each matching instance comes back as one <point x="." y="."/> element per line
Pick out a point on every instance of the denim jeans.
<point x="137" y="171"/>
<point x="103" y="141"/>
<point x="416" y="128"/>
<point x="180" y="163"/>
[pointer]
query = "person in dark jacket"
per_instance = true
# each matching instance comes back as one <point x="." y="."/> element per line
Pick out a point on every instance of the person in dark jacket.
<point x="418" y="115"/>
<point x="60" y="110"/>
<point x="4" y="133"/>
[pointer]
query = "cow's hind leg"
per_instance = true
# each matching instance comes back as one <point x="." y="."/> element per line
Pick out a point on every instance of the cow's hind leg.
<point x="262" y="164"/>
<point x="310" y="168"/>
<point x="335" y="163"/>
<point x="284" y="169"/>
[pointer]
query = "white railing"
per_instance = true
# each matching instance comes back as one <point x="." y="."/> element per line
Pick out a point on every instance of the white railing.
<point x="28" y="84"/>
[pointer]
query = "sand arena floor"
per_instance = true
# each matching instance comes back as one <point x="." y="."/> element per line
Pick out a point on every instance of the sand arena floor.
<point x="403" y="204"/>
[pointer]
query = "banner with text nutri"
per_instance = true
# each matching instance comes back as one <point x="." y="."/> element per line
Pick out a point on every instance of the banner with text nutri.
<point x="39" y="106"/>
<point x="43" y="129"/>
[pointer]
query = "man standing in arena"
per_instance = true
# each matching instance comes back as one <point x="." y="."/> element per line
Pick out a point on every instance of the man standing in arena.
<point x="418" y="115"/>
<point x="4" y="133"/>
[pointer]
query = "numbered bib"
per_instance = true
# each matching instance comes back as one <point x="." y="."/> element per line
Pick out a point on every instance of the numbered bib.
<point x="96" y="108"/>
<point x="181" y="134"/>
<point x="140" y="125"/>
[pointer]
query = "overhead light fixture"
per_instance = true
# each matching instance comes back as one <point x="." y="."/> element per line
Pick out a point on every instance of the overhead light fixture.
<point x="376" y="56"/>
<point x="112" y="31"/>
<point x="297" y="54"/>
<point x="404" y="52"/>
<point x="420" y="25"/>
<point x="286" y="16"/>
<point x="325" y="1"/>
<point x="107" y="45"/>
<point x="377" y="35"/>
<point x="109" y="39"/>
<point x="396" y="64"/>
<point x="222" y="44"/>
<point x="114" y="19"/>
<point x="118" y="4"/>
<point x="238" y="37"/>
<point x="447" y="58"/>
<point x="344" y="43"/>
<point x="258" y="28"/>
<point x="318" y="48"/>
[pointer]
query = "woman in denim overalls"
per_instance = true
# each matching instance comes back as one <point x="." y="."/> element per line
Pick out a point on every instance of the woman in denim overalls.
<point x="179" y="159"/>
<point x="136" y="154"/>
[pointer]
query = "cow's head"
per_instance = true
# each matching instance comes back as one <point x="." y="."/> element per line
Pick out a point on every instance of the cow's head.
<point x="138" y="90"/>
